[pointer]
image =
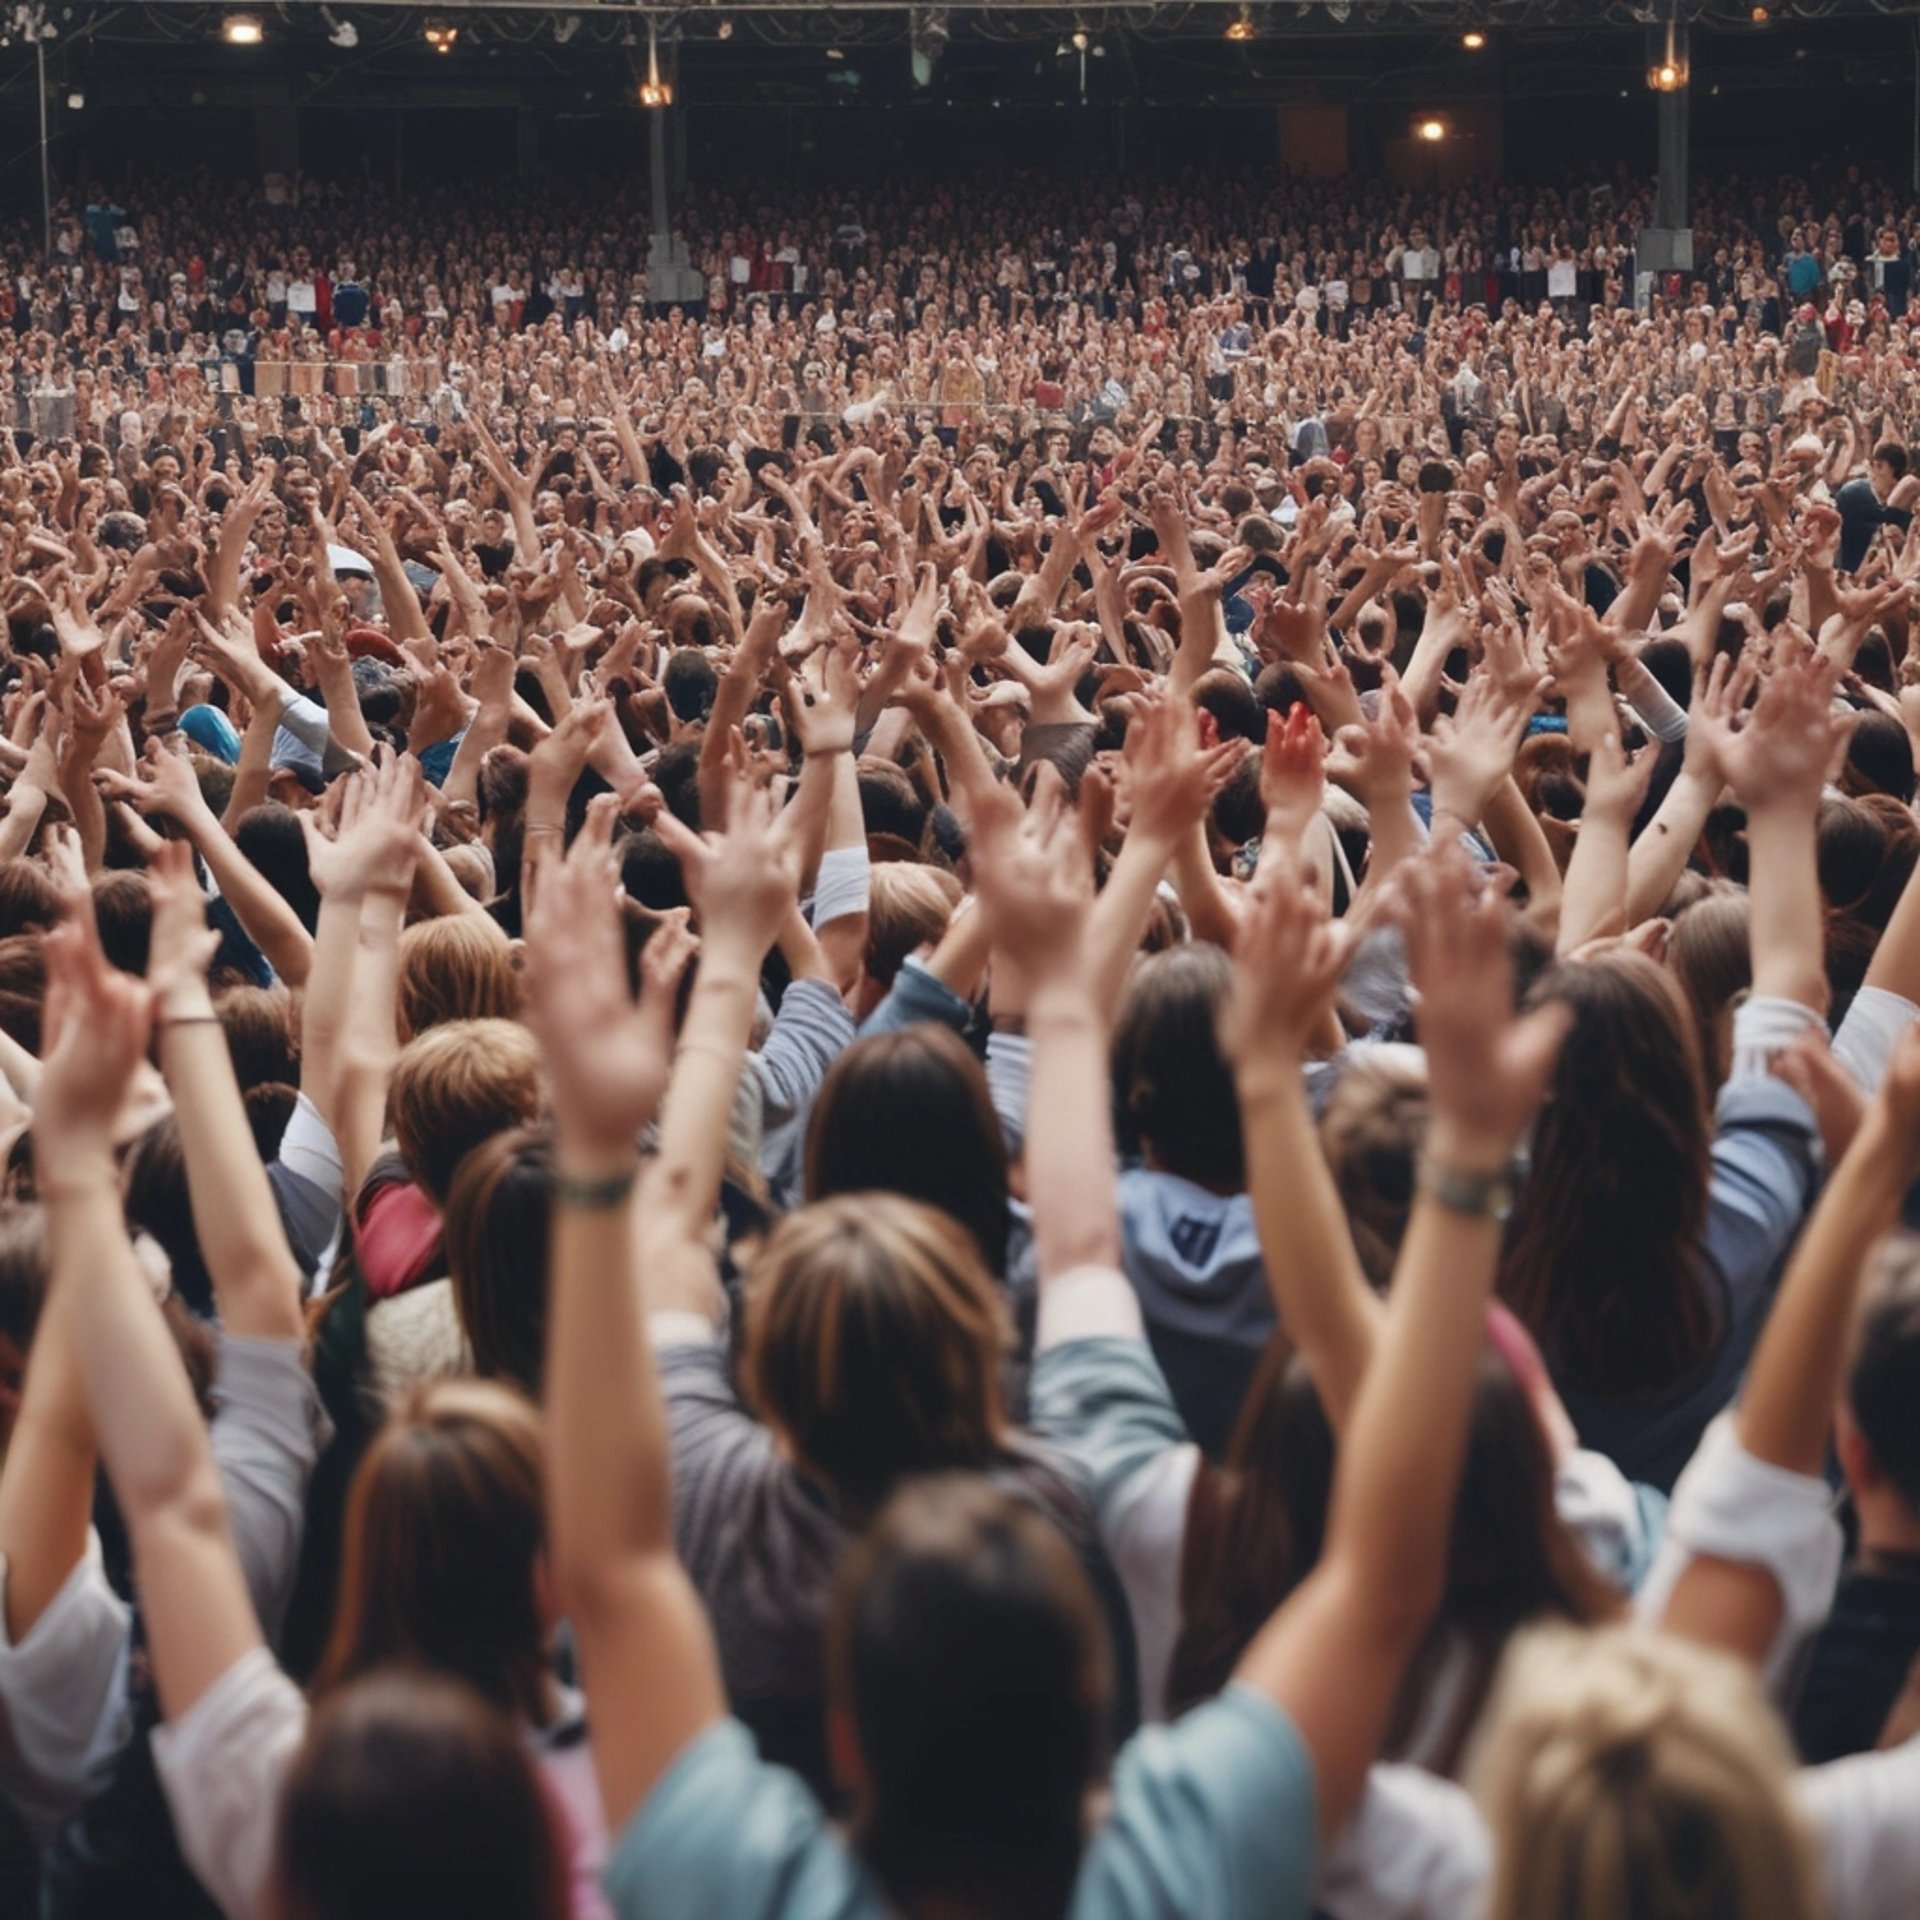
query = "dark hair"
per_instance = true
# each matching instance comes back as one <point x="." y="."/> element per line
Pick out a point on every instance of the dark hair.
<point x="26" y="1265"/>
<point x="269" y="835"/>
<point x="444" y="1522"/>
<point x="1602" y="1258"/>
<point x="29" y="901"/>
<point x="1231" y="702"/>
<point x="890" y="802"/>
<point x="1849" y="844"/>
<point x="412" y="1799"/>
<point x="1173" y="1091"/>
<point x="650" y="873"/>
<point x="1886" y="1366"/>
<point x="123" y="911"/>
<point x="495" y="1231"/>
<point x="262" y="1039"/>
<point x="1890" y="453"/>
<point x="967" y="1647"/>
<point x="1879" y="757"/>
<point x="690" y="683"/>
<point x="158" y="1202"/>
<point x="909" y="1112"/>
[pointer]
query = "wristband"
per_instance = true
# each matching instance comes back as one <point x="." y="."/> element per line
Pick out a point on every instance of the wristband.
<point x="1479" y="1196"/>
<point x="844" y="885"/>
<point x="595" y="1196"/>
<point x="189" y="1020"/>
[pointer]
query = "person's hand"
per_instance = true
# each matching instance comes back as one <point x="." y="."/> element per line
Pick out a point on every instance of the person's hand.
<point x="165" y="782"/>
<point x="1486" y="1069"/>
<point x="742" y="882"/>
<point x="97" y="1023"/>
<point x="558" y="761"/>
<point x="1033" y="880"/>
<point x="1472" y="751"/>
<point x="1615" y="785"/>
<point x="1839" y="1106"/>
<point x="1374" y="760"/>
<point x="1170" y="780"/>
<point x="1293" y="783"/>
<point x="181" y="946"/>
<point x="1288" y="963"/>
<point x="824" y="716"/>
<point x="1295" y="626"/>
<point x="1780" y="759"/>
<point x="376" y="843"/>
<point x="607" y="1058"/>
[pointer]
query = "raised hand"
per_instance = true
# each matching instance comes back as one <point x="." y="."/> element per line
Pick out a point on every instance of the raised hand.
<point x="607" y="1056"/>
<point x="1293" y="773"/>
<point x="1169" y="779"/>
<point x="1472" y="752"/>
<point x="376" y="843"/>
<point x="181" y="946"/>
<point x="1033" y="879"/>
<point x="1288" y="964"/>
<point x="1374" y="759"/>
<point x="1486" y="1068"/>
<point x="1781" y="758"/>
<point x="97" y="1020"/>
<point x="742" y="882"/>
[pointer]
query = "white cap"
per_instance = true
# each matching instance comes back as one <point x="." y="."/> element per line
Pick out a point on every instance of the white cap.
<point x="345" y="560"/>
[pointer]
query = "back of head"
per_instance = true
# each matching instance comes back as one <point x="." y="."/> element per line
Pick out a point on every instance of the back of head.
<point x="270" y="837"/>
<point x="1883" y="1388"/>
<point x="495" y="1229"/>
<point x="29" y="901"/>
<point x="1632" y="1776"/>
<point x="1173" y="1090"/>
<point x="909" y="1112"/>
<point x="910" y="908"/>
<point x="1371" y="1130"/>
<point x="968" y="1653"/>
<point x="412" y="1799"/>
<point x="1601" y="1258"/>
<point x="443" y="1528"/>
<point x="1710" y="953"/>
<point x="261" y="1036"/>
<point x="455" y="1086"/>
<point x="874" y="1342"/>
<point x="455" y="967"/>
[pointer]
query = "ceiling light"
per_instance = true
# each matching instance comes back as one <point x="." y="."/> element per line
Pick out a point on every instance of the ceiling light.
<point x="1473" y="40"/>
<point x="76" y="99"/>
<point x="439" y="34"/>
<point x="654" y="92"/>
<point x="726" y="29"/>
<point x="1668" y="74"/>
<point x="1241" y="26"/>
<point x="242" y="30"/>
<point x="1761" y="15"/>
<point x="565" y="28"/>
<point x="343" y="33"/>
<point x="834" y="53"/>
<point x="1431" y="130"/>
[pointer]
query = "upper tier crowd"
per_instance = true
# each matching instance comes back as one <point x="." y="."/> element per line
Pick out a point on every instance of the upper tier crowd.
<point x="1065" y="1067"/>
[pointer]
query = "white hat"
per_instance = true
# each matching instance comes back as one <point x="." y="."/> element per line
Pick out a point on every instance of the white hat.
<point x="345" y="560"/>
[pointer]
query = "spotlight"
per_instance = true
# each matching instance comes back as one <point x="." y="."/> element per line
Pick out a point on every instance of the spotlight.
<point x="654" y="92"/>
<point x="834" y="53"/>
<point x="1079" y="40"/>
<point x="1668" y="74"/>
<point x="565" y="28"/>
<point x="1761" y="15"/>
<point x="1241" y="26"/>
<point x="76" y="99"/>
<point x="1473" y="40"/>
<point x="342" y="33"/>
<point x="1431" y="130"/>
<point x="439" y="34"/>
<point x="725" y="29"/>
<point x="242" y="30"/>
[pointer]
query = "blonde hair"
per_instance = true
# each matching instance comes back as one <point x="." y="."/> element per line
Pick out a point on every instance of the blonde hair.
<point x="911" y="907"/>
<point x="1629" y="1775"/>
<point x="454" y="969"/>
<point x="456" y="1086"/>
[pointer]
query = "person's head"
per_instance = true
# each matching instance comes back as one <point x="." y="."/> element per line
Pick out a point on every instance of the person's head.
<point x="1370" y="1131"/>
<point x="262" y="1037"/>
<point x="1625" y="1772"/>
<point x="270" y="837"/>
<point x="25" y="1267"/>
<point x="908" y="912"/>
<point x="909" y="1112"/>
<point x="455" y="967"/>
<point x="1173" y="1091"/>
<point x="123" y="911"/>
<point x="458" y="1084"/>
<point x="1709" y="952"/>
<point x="1888" y="467"/>
<point x="1601" y="1263"/>
<point x="495" y="1229"/>
<point x="29" y="901"/>
<point x="969" y="1676"/>
<point x="874" y="1343"/>
<point x="441" y="1549"/>
<point x="413" y="1799"/>
<point x="1877" y="1436"/>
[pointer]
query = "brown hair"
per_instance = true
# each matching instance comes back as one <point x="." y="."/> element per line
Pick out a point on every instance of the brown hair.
<point x="413" y="1799"/>
<point x="874" y="1342"/>
<point x="455" y="1086"/>
<point x="1371" y="1130"/>
<point x="1602" y="1258"/>
<point x="1172" y="1088"/>
<point x="454" y="968"/>
<point x="262" y="1036"/>
<point x="1708" y="950"/>
<point x="909" y="1112"/>
<point x="443" y="1529"/>
<point x="495" y="1233"/>
<point x="29" y="901"/>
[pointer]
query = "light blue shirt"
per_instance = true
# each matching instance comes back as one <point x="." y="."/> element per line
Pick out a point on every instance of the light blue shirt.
<point x="1211" y="1819"/>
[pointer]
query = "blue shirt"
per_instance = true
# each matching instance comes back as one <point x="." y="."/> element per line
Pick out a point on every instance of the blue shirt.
<point x="1211" y="1819"/>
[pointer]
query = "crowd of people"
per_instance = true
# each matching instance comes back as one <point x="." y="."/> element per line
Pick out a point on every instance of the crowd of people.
<point x="1069" y="1069"/>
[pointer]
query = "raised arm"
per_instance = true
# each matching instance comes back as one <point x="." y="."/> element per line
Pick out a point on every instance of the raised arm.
<point x="194" y="1602"/>
<point x="653" y="1674"/>
<point x="1334" y="1655"/>
<point x="256" y="1283"/>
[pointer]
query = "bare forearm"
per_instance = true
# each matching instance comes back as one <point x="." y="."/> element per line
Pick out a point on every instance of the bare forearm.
<point x="1786" y="921"/>
<point x="1658" y="858"/>
<point x="268" y="921"/>
<point x="1069" y="1135"/>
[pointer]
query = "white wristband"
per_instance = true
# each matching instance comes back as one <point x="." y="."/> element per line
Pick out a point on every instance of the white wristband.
<point x="844" y="886"/>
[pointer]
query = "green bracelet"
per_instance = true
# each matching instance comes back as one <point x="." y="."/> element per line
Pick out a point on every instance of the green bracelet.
<point x="595" y="1196"/>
